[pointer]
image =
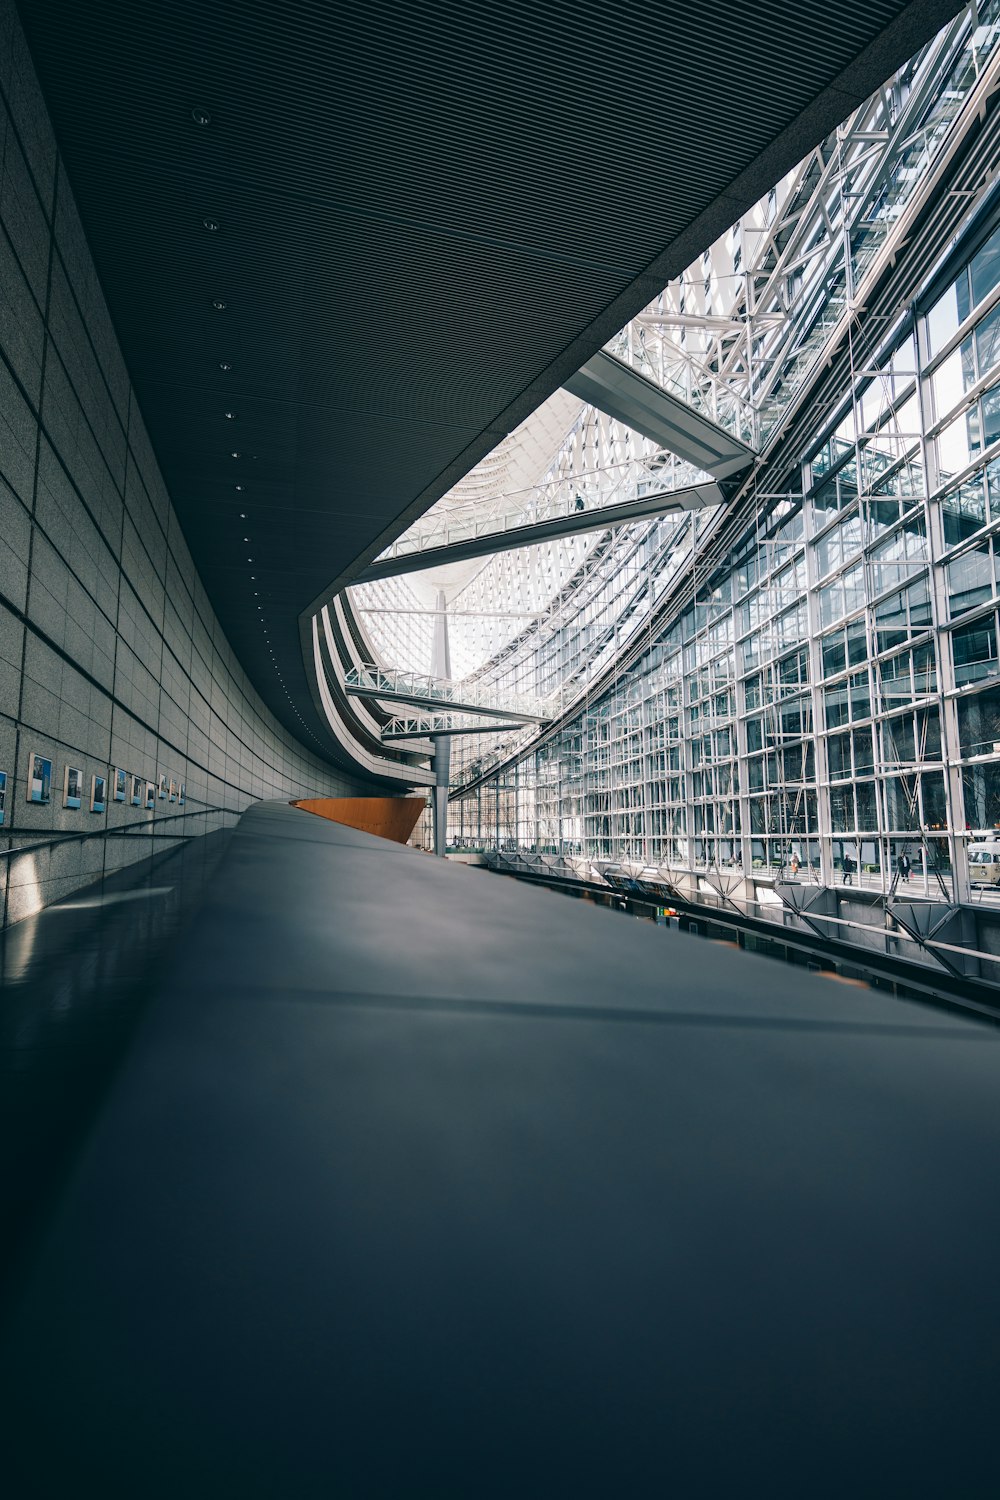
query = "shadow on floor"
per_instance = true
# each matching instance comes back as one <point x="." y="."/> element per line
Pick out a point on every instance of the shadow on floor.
<point x="75" y="981"/>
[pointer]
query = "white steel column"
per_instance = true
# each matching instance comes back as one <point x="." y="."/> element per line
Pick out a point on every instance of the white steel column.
<point x="441" y="667"/>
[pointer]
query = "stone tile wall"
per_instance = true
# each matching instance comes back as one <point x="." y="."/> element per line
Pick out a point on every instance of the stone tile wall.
<point x="110" y="654"/>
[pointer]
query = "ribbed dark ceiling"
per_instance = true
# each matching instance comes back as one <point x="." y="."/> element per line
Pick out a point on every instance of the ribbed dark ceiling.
<point x="430" y="215"/>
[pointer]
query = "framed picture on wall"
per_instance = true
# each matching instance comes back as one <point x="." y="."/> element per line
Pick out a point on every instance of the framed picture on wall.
<point x="120" y="782"/>
<point x="173" y="790"/>
<point x="98" y="793"/>
<point x="3" y="797"/>
<point x="163" y="786"/>
<point x="150" y="795"/>
<point x="138" y="787"/>
<point x="73" y="787"/>
<point x="39" y="778"/>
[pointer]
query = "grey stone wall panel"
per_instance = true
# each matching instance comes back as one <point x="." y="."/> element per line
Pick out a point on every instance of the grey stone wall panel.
<point x="28" y="113"/>
<point x="18" y="438"/>
<point x="15" y="541"/>
<point x="70" y="337"/>
<point x="22" y="330"/>
<point x="71" y="249"/>
<point x="23" y="216"/>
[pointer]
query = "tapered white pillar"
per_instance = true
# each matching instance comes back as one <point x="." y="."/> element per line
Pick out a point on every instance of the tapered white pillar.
<point x="441" y="667"/>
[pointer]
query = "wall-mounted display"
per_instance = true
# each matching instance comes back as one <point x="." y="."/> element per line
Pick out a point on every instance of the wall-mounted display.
<point x="73" y="787"/>
<point x="137" y="790"/>
<point x="3" y="797"/>
<point x="120" y="781"/>
<point x="39" y="779"/>
<point x="163" y="786"/>
<point x="173" y="790"/>
<point x="181" y="795"/>
<point x="150" y="795"/>
<point x="98" y="793"/>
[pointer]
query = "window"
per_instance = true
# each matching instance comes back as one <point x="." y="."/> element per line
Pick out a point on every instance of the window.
<point x="834" y="654"/>
<point x="975" y="651"/>
<point x="964" y="510"/>
<point x="944" y="318"/>
<point x="979" y="723"/>
<point x="985" y="268"/>
<point x="838" y="751"/>
<point x="988" y="341"/>
<point x="970" y="579"/>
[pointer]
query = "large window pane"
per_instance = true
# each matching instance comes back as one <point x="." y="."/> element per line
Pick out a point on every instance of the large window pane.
<point x="979" y="723"/>
<point x="935" y="803"/>
<point x="985" y="268"/>
<point x="981" y="792"/>
<point x="944" y="318"/>
<point x="975" y="650"/>
<point x="970" y="579"/>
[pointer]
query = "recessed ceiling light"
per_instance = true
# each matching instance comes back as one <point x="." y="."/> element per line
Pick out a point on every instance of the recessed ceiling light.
<point x="234" y="455"/>
<point x="239" y="489"/>
<point x="201" y="116"/>
<point x="230" y="416"/>
<point x="224" y="364"/>
<point x="211" y="224"/>
<point x="218" y="304"/>
<point x="249" y="559"/>
<point x="246" y="538"/>
<point x="243" y="515"/>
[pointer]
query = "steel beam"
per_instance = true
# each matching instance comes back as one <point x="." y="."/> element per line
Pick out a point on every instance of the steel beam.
<point x="630" y="397"/>
<point x="422" y="732"/>
<point x="693" y="497"/>
<point x="386" y="695"/>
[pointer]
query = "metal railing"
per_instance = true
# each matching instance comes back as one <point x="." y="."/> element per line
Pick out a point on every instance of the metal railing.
<point x="564" y="498"/>
<point x="383" y="682"/>
<point x="146" y="829"/>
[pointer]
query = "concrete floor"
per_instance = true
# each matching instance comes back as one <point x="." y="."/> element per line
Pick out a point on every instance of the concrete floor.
<point x="413" y="1181"/>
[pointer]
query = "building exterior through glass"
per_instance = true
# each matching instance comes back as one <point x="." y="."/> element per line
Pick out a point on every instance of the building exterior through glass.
<point x="805" y="678"/>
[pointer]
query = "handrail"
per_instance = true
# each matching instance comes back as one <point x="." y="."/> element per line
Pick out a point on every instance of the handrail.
<point x="60" y="836"/>
<point x="568" y="496"/>
<point x="389" y="682"/>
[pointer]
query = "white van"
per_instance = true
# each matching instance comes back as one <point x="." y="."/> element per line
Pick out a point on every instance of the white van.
<point x="984" y="862"/>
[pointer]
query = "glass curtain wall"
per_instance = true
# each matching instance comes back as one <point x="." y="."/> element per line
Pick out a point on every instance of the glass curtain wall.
<point x="817" y="685"/>
<point x="831" y="695"/>
<point x="828" y="698"/>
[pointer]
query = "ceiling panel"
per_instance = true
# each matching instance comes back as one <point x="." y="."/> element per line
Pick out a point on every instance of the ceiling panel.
<point x="428" y="217"/>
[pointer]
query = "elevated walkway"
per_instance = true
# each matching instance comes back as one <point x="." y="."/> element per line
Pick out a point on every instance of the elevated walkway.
<point x="569" y="508"/>
<point x="389" y="686"/>
<point x="626" y="393"/>
<point x="442" y="724"/>
<point x="415" y="1181"/>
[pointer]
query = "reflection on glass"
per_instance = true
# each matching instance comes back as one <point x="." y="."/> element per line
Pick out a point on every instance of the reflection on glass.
<point x="39" y="779"/>
<point x="73" y="787"/>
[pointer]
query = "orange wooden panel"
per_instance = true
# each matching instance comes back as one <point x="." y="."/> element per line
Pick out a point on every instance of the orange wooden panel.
<point x="388" y="817"/>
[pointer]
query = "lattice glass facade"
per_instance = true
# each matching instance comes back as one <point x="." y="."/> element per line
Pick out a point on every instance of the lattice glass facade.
<point x="807" y="676"/>
<point x="833" y="690"/>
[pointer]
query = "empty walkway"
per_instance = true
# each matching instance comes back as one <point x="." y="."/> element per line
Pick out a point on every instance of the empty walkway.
<point x="417" y="1182"/>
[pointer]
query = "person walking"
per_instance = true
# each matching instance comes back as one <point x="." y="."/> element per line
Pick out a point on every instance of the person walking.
<point x="903" y="866"/>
